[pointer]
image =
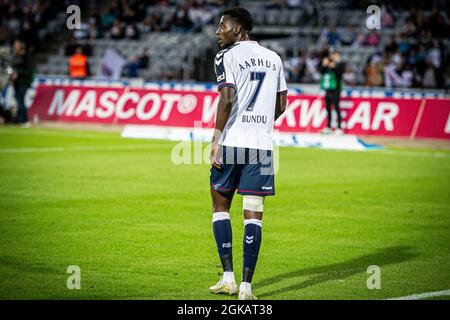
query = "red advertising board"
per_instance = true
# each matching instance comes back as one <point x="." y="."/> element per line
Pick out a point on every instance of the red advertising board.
<point x="305" y="113"/>
<point x="435" y="119"/>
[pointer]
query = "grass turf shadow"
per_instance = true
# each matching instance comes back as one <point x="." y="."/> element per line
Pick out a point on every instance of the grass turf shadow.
<point x="26" y="266"/>
<point x="337" y="271"/>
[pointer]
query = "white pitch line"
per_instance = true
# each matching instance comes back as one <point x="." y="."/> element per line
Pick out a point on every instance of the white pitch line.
<point x="425" y="295"/>
<point x="61" y="133"/>
<point x="76" y="148"/>
<point x="139" y="146"/>
<point x="413" y="154"/>
<point x="384" y="152"/>
<point x="431" y="154"/>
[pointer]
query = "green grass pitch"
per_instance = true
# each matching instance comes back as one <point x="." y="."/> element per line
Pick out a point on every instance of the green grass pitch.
<point x="139" y="226"/>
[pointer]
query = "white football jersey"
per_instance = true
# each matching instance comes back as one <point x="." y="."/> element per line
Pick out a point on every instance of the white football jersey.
<point x="257" y="75"/>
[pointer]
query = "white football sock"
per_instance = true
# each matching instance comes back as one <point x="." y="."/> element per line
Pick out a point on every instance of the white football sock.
<point x="245" y="286"/>
<point x="228" y="277"/>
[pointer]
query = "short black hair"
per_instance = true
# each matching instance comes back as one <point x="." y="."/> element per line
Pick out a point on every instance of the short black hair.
<point x="241" y="16"/>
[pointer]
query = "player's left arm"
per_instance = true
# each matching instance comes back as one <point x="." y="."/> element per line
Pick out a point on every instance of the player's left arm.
<point x="280" y="106"/>
<point x="281" y="100"/>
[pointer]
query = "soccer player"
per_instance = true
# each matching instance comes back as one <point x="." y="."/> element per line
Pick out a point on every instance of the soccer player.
<point x="252" y="96"/>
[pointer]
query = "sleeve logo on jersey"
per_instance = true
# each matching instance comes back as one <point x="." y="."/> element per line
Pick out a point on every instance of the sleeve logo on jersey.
<point x="219" y="57"/>
<point x="218" y="62"/>
<point x="221" y="77"/>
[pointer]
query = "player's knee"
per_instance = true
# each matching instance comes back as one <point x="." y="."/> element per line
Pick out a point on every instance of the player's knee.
<point x="253" y="203"/>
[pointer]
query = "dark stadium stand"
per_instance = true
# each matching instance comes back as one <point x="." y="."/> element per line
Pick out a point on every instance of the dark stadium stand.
<point x="410" y="50"/>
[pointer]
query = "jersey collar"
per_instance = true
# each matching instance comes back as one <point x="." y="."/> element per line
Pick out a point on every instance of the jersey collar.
<point x="247" y="41"/>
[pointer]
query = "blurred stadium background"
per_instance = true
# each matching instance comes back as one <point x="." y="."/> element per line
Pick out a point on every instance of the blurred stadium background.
<point x="138" y="225"/>
<point x="179" y="37"/>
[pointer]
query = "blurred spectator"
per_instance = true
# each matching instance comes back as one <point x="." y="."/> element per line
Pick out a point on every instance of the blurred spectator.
<point x="117" y="30"/>
<point x="107" y="18"/>
<point x="392" y="45"/>
<point x="373" y="75"/>
<point x="199" y="17"/>
<point x="397" y="58"/>
<point x="349" y="77"/>
<point x="407" y="76"/>
<point x="333" y="37"/>
<point x="131" y="32"/>
<point x="78" y="65"/>
<point x="158" y="23"/>
<point x="144" y="59"/>
<point x="329" y="37"/>
<point x="404" y="45"/>
<point x="131" y="69"/>
<point x="372" y="38"/>
<point x="147" y="26"/>
<point x="28" y="32"/>
<point x="387" y="19"/>
<point x="6" y="112"/>
<point x="377" y="58"/>
<point x="87" y="47"/>
<point x="22" y="79"/>
<point x="409" y="29"/>
<point x="83" y="32"/>
<point x="139" y="7"/>
<point x="94" y="18"/>
<point x="277" y="4"/>
<point x="429" y="77"/>
<point x="128" y="16"/>
<point x="70" y="47"/>
<point x="360" y="41"/>
<point x="394" y="77"/>
<point x="295" y="4"/>
<point x="348" y="36"/>
<point x="180" y="20"/>
<point x="94" y="32"/>
<point x="438" y="23"/>
<point x="373" y="71"/>
<point x="14" y="24"/>
<point x="295" y="67"/>
<point x="312" y="63"/>
<point x="434" y="56"/>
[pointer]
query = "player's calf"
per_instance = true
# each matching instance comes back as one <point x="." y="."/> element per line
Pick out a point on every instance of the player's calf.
<point x="223" y="236"/>
<point x="251" y="243"/>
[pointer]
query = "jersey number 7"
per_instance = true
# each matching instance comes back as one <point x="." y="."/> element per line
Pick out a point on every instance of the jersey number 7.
<point x="255" y="76"/>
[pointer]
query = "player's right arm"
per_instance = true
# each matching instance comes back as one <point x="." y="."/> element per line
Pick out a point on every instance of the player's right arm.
<point x="223" y="112"/>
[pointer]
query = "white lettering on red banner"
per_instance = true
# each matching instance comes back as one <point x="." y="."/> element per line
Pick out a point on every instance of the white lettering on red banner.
<point x="304" y="113"/>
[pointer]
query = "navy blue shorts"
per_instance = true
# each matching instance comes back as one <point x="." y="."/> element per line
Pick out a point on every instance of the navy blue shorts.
<point x="250" y="171"/>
